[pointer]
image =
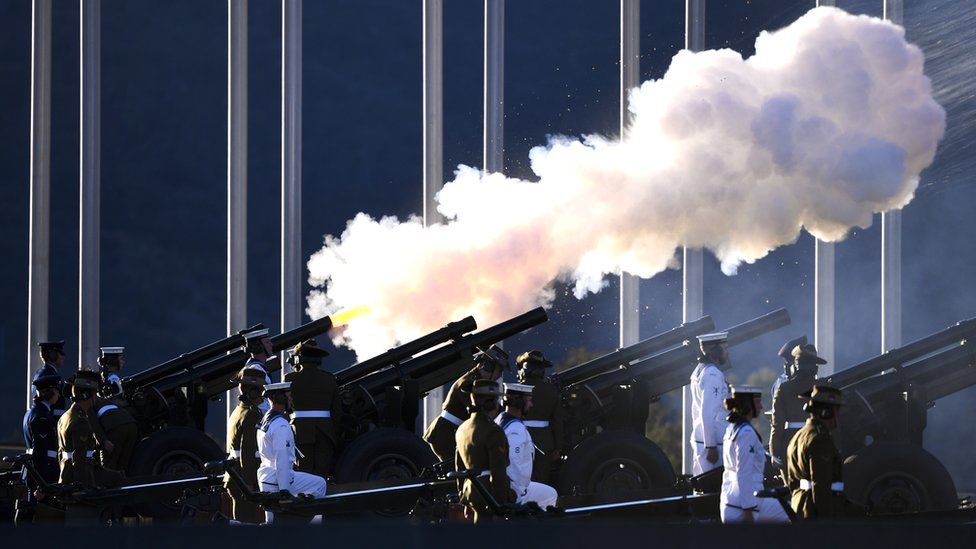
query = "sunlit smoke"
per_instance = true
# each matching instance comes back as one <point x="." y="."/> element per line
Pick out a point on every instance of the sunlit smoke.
<point x="831" y="121"/>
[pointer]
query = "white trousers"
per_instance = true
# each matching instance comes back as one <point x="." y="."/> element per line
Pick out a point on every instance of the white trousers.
<point x="543" y="494"/>
<point x="769" y="511"/>
<point x="302" y="483"/>
<point x="701" y="465"/>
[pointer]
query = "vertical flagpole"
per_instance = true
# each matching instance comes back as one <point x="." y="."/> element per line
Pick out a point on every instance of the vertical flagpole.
<point x="89" y="252"/>
<point x="692" y="290"/>
<point x="494" y="80"/>
<point x="824" y="303"/>
<point x="629" y="79"/>
<point x="891" y="244"/>
<point x="433" y="141"/>
<point x="40" y="184"/>
<point x="291" y="165"/>
<point x="236" y="173"/>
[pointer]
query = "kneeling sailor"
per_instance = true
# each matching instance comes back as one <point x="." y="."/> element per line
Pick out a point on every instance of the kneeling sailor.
<point x="521" y="450"/>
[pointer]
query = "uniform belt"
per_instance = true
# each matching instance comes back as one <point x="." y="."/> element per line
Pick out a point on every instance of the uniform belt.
<point x="106" y="408"/>
<point x="834" y="486"/>
<point x="65" y="456"/>
<point x="450" y="417"/>
<point x="50" y="453"/>
<point x="703" y="442"/>
<point x="536" y="423"/>
<point x="794" y="425"/>
<point x="235" y="454"/>
<point x="311" y="413"/>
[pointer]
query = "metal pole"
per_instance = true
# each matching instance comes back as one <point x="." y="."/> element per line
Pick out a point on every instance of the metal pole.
<point x="236" y="173"/>
<point x="891" y="244"/>
<point x="38" y="263"/>
<point x="824" y="283"/>
<point x="692" y="288"/>
<point x="89" y="252"/>
<point x="291" y="165"/>
<point x="629" y="79"/>
<point x="494" y="141"/>
<point x="433" y="143"/>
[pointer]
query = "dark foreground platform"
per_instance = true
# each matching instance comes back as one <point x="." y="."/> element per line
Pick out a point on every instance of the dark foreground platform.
<point x="386" y="533"/>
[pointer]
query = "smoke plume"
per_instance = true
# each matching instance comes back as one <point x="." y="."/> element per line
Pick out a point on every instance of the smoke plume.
<point x="831" y="121"/>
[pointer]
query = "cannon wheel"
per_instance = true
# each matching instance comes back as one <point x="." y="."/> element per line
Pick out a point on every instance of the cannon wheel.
<point x="614" y="462"/>
<point x="385" y="455"/>
<point x="889" y="477"/>
<point x="175" y="450"/>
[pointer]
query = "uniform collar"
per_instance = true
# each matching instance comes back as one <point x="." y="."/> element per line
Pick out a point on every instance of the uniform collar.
<point x="46" y="404"/>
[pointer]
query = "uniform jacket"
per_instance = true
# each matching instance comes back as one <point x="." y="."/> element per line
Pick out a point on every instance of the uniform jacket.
<point x="745" y="461"/>
<point x="41" y="437"/>
<point x="788" y="415"/>
<point x="546" y="407"/>
<point x="76" y="442"/>
<point x="521" y="452"/>
<point x="242" y="441"/>
<point x="708" y="393"/>
<point x="110" y="415"/>
<point x="812" y="457"/>
<point x="61" y="405"/>
<point x="312" y="390"/>
<point x="482" y="446"/>
<point x="455" y="408"/>
<point x="276" y="446"/>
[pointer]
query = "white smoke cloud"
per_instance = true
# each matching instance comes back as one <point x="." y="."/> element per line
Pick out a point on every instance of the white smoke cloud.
<point x="831" y="121"/>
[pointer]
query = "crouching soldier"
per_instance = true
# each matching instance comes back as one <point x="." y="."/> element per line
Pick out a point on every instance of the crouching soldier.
<point x="521" y="451"/>
<point x="482" y="446"/>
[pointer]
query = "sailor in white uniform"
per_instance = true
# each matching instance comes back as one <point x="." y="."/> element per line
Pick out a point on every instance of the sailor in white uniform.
<point x="276" y="448"/>
<point x="111" y="363"/>
<point x="745" y="463"/>
<point x="258" y="345"/>
<point x="521" y="450"/>
<point x="708" y="392"/>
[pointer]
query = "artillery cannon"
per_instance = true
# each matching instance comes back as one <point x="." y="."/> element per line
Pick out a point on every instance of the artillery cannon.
<point x="885" y="414"/>
<point x="605" y="413"/>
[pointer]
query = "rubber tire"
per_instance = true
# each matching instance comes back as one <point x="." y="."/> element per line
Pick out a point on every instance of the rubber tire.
<point x="597" y="452"/>
<point x="190" y="447"/>
<point x="929" y="479"/>
<point x="358" y="461"/>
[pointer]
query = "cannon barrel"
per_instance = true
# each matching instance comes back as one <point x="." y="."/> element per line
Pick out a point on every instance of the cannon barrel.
<point x="670" y="370"/>
<point x="218" y="373"/>
<point x="625" y="355"/>
<point x="454" y="330"/>
<point x="186" y="360"/>
<point x="431" y="369"/>
<point x="904" y="354"/>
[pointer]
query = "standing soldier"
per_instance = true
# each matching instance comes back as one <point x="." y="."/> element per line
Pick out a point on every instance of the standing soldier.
<point x="482" y="446"/>
<point x="111" y="363"/>
<point x="813" y="469"/>
<point x="745" y="463"/>
<point x="545" y="419"/>
<point x="242" y="444"/>
<point x="313" y="392"/>
<point x="52" y="355"/>
<point x="786" y="353"/>
<point x="41" y="438"/>
<point x="521" y="450"/>
<point x="276" y="446"/>
<point x="489" y="365"/>
<point x="76" y="439"/>
<point x="258" y="345"/>
<point x="788" y="414"/>
<point x="708" y="392"/>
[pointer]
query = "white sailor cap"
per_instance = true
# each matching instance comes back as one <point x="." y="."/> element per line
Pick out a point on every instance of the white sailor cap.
<point x="263" y="332"/>
<point x="280" y="386"/>
<point x="518" y="389"/>
<point x="713" y="337"/>
<point x="746" y="390"/>
<point x="112" y="350"/>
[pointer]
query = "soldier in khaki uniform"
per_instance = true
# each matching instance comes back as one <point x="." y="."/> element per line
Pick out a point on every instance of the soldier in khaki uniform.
<point x="483" y="446"/>
<point x="242" y="444"/>
<point x="76" y="439"/>
<point x="813" y="471"/>
<point x="115" y="424"/>
<point x="489" y="365"/>
<point x="788" y="414"/>
<point x="545" y="418"/>
<point x="313" y="393"/>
